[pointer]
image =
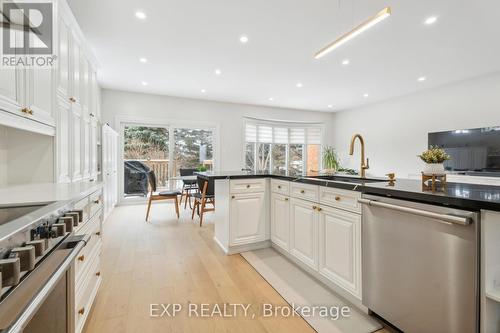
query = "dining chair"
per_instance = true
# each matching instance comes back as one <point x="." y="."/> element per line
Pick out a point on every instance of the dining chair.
<point x="163" y="195"/>
<point x="188" y="186"/>
<point x="201" y="199"/>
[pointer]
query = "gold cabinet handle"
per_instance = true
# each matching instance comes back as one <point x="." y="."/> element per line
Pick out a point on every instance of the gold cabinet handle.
<point x="232" y="197"/>
<point x="98" y="274"/>
<point x="337" y="198"/>
<point x="302" y="191"/>
<point x="24" y="110"/>
<point x="279" y="186"/>
<point x="81" y="311"/>
<point x="98" y="233"/>
<point x="320" y="209"/>
<point x="72" y="99"/>
<point x="314" y="207"/>
<point x="81" y="258"/>
<point x="31" y="112"/>
<point x="248" y="186"/>
<point x="96" y="201"/>
<point x="286" y="199"/>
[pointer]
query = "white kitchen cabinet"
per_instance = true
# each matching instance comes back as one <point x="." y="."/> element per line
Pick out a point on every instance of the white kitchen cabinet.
<point x="247" y="215"/>
<point x="110" y="168"/>
<point x="93" y="148"/>
<point x="280" y="220"/>
<point x="76" y="143"/>
<point x="40" y="83"/>
<point x="304" y="232"/>
<point x="63" y="144"/>
<point x="85" y="157"/>
<point x="63" y="58"/>
<point x="75" y="71"/>
<point x="11" y="83"/>
<point x="340" y="248"/>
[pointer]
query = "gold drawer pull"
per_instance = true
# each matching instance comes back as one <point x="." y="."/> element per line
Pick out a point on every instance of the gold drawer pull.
<point x="279" y="186"/>
<point x="337" y="198"/>
<point x="98" y="274"/>
<point x="232" y="197"/>
<point x="302" y="191"/>
<point x="81" y="258"/>
<point x="248" y="186"/>
<point x="81" y="311"/>
<point x="315" y="207"/>
<point x="320" y="209"/>
<point x="72" y="99"/>
<point x="24" y="110"/>
<point x="98" y="233"/>
<point x="31" y="112"/>
<point x="286" y="199"/>
<point x="96" y="201"/>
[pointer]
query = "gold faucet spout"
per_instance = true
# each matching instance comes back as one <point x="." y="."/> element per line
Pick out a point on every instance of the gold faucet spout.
<point x="364" y="166"/>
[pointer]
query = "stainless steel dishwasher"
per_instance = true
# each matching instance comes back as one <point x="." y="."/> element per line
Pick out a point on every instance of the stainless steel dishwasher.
<point x="420" y="265"/>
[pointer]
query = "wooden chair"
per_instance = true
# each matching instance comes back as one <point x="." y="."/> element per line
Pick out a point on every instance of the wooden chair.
<point x="164" y="195"/>
<point x="188" y="186"/>
<point x="201" y="199"/>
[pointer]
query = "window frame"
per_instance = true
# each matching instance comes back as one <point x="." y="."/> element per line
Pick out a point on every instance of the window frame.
<point x="288" y="125"/>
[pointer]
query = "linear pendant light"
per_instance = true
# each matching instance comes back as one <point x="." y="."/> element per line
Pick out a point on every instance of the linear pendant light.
<point x="380" y="16"/>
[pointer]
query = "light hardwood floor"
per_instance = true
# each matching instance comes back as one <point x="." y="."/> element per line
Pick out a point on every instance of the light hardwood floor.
<point x="175" y="261"/>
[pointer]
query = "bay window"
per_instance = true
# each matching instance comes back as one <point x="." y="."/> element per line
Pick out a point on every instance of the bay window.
<point x="283" y="147"/>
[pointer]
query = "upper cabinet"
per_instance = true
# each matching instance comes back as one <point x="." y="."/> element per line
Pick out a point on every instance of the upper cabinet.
<point x="63" y="52"/>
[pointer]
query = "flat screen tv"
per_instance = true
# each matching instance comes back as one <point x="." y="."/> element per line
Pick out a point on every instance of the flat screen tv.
<point x="473" y="151"/>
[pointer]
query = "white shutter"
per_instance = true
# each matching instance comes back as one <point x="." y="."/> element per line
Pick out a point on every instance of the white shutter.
<point x="297" y="135"/>
<point x="251" y="133"/>
<point x="280" y="135"/>
<point x="313" y="135"/>
<point x="265" y="134"/>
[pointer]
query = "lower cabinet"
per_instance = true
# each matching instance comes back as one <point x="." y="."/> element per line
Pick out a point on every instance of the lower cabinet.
<point x="340" y="248"/>
<point x="304" y="232"/>
<point x="248" y="220"/>
<point x="280" y="220"/>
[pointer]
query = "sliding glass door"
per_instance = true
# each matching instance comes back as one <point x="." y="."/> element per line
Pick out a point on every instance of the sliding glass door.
<point x="164" y="150"/>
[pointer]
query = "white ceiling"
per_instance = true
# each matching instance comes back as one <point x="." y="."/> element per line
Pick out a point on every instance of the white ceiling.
<point x="185" y="41"/>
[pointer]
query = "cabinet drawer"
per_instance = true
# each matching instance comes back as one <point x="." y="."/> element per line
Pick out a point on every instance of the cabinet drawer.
<point x="86" y="295"/>
<point x="84" y="257"/>
<point x="95" y="202"/>
<point x="83" y="206"/>
<point x="248" y="185"/>
<point x="280" y="186"/>
<point x="304" y="191"/>
<point x="339" y="198"/>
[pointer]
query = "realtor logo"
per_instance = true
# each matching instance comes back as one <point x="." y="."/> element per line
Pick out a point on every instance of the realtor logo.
<point x="27" y="33"/>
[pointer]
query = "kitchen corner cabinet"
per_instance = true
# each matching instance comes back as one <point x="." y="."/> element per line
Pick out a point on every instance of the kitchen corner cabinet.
<point x="247" y="220"/>
<point x="280" y="220"/>
<point x="304" y="232"/>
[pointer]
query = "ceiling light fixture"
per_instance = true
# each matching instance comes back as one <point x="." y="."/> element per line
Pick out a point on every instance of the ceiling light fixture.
<point x="271" y="99"/>
<point x="144" y="83"/>
<point x="299" y="85"/>
<point x="143" y="60"/>
<point x="345" y="62"/>
<point x="330" y="106"/>
<point x="217" y="71"/>
<point x="243" y="39"/>
<point x="380" y="16"/>
<point x="422" y="79"/>
<point x="365" y="95"/>
<point x="203" y="91"/>
<point x="140" y="15"/>
<point x="430" y="20"/>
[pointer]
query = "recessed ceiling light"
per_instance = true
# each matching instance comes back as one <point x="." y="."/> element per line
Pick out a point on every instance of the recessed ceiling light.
<point x="330" y="106"/>
<point x="144" y="83"/>
<point x="299" y="85"/>
<point x="365" y="95"/>
<point x="243" y="39"/>
<point x="143" y="60"/>
<point x="271" y="99"/>
<point x="217" y="71"/>
<point x="430" y="20"/>
<point x="203" y="91"/>
<point x="422" y="79"/>
<point x="140" y="15"/>
<point x="345" y="62"/>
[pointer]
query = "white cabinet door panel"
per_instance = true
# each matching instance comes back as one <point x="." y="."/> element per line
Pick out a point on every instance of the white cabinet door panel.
<point x="63" y="56"/>
<point x="280" y="220"/>
<point x="85" y="148"/>
<point x="63" y="140"/>
<point x="304" y="232"/>
<point x="12" y="81"/>
<point x="247" y="218"/>
<point x="76" y="143"/>
<point x="340" y="248"/>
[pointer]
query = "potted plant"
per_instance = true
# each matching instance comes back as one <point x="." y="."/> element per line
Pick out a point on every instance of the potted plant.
<point x="434" y="158"/>
<point x="330" y="160"/>
<point x="201" y="168"/>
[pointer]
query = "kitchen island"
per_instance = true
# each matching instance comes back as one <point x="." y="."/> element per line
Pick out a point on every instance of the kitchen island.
<point x="317" y="222"/>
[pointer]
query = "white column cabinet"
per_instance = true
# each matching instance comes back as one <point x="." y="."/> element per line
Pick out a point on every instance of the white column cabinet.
<point x="304" y="232"/>
<point x="340" y="248"/>
<point x="280" y="220"/>
<point x="248" y="223"/>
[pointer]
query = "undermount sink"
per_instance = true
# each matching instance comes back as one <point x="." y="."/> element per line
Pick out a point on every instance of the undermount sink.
<point x="345" y="179"/>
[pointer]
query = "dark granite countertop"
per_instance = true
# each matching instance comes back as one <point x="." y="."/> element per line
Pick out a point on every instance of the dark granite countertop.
<point x="459" y="195"/>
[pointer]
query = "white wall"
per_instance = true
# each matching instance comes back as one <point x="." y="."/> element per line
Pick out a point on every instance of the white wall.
<point x="228" y="116"/>
<point x="395" y="131"/>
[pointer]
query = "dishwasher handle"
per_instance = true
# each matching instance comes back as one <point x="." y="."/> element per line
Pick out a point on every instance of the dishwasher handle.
<point x="461" y="220"/>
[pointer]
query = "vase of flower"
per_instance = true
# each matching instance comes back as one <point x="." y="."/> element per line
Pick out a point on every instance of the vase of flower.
<point x="434" y="158"/>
